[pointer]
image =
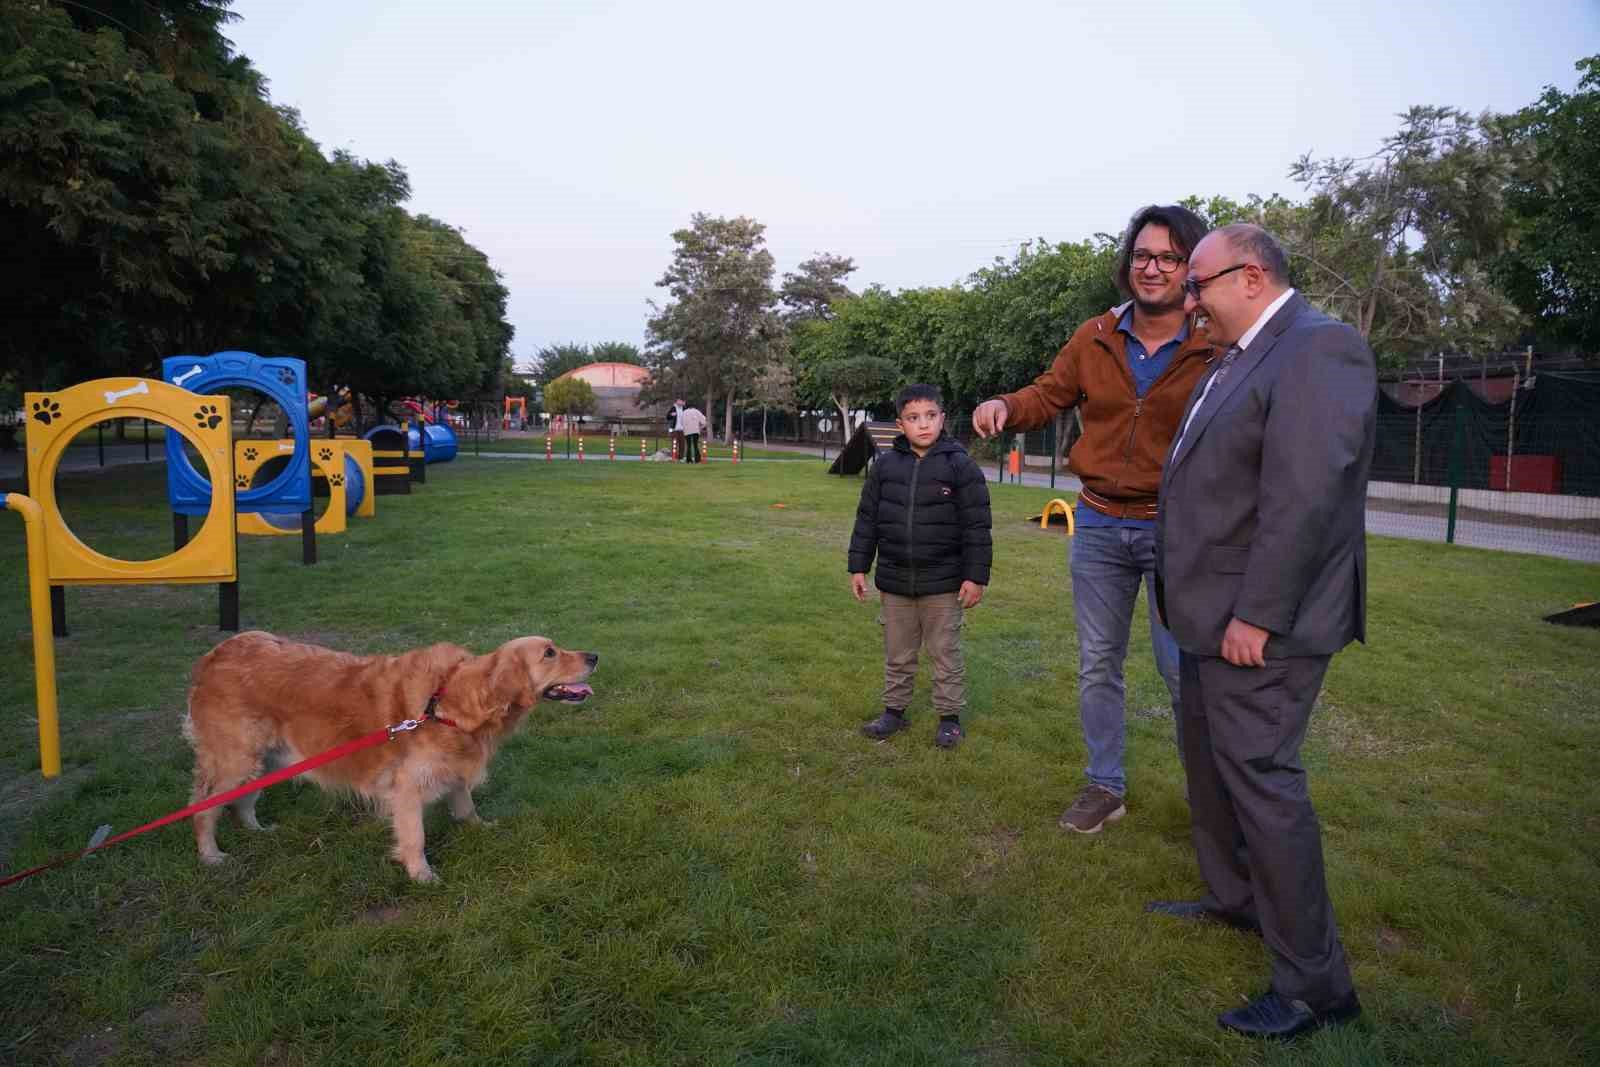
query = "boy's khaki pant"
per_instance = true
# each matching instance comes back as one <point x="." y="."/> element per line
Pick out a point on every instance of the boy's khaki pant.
<point x="909" y="623"/>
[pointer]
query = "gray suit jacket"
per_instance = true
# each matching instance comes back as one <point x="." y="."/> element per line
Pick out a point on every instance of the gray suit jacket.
<point x="1263" y="499"/>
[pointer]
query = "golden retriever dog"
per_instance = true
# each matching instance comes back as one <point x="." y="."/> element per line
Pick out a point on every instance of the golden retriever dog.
<point x="257" y="696"/>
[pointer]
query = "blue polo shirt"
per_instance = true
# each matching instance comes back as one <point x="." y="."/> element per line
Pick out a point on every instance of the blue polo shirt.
<point x="1146" y="367"/>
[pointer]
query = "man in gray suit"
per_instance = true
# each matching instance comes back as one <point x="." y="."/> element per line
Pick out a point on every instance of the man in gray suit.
<point x="1261" y="570"/>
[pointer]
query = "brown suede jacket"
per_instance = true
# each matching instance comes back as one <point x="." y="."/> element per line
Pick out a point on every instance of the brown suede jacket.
<point x="1125" y="436"/>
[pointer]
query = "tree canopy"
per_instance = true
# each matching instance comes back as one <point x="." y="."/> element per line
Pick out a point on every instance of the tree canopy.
<point x="154" y="202"/>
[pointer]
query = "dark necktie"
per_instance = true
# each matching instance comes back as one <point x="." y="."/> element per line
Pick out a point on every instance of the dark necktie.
<point x="1216" y="379"/>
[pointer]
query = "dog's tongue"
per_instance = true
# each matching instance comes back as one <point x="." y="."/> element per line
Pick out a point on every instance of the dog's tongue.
<point x="576" y="693"/>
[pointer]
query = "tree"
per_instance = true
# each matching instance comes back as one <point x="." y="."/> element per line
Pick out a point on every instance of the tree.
<point x="811" y="292"/>
<point x="552" y="361"/>
<point x="616" y="352"/>
<point x="153" y="201"/>
<point x="1549" y="266"/>
<point x="569" y="396"/>
<point x="1398" y="243"/>
<point x="720" y="327"/>
<point x="856" y="380"/>
<point x="773" y="387"/>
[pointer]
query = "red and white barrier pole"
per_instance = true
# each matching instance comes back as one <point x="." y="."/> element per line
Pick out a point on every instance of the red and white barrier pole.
<point x="674" y="451"/>
<point x="547" y="456"/>
<point x="613" y="448"/>
<point x="641" y="450"/>
<point x="736" y="450"/>
<point x="580" y="447"/>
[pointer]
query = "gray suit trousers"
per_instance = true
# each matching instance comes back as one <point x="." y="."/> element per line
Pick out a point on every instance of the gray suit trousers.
<point x="1255" y="834"/>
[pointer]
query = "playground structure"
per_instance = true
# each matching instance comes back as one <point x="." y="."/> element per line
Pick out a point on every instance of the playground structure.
<point x="270" y="487"/>
<point x="344" y="466"/>
<point x="519" y="404"/>
<point x="57" y="558"/>
<point x="863" y="447"/>
<point x="339" y="409"/>
<point x="280" y="379"/>
<point x="1058" y="506"/>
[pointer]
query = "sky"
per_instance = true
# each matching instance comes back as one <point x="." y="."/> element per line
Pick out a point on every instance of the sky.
<point x="568" y="140"/>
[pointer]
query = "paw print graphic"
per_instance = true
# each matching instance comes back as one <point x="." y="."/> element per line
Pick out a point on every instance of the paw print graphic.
<point x="251" y="454"/>
<point x="46" y="411"/>
<point x="242" y="481"/>
<point x="336" y="479"/>
<point x="207" y="417"/>
<point x="324" y="453"/>
<point x="285" y="375"/>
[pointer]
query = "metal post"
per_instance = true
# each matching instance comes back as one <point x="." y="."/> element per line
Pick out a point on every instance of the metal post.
<point x="1050" y="442"/>
<point x="1511" y="425"/>
<point x="100" y="442"/>
<point x="1458" y="445"/>
<point x="308" y="534"/>
<point x="44" y="648"/>
<point x="1416" y="437"/>
<point x="147" y="440"/>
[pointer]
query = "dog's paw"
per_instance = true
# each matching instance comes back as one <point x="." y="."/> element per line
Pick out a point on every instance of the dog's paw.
<point x="212" y="859"/>
<point x="424" y="874"/>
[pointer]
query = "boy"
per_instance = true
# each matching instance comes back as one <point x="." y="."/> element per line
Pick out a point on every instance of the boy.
<point x="924" y="513"/>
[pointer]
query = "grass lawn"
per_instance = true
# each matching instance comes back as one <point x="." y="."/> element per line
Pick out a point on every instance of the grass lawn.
<point x="707" y="864"/>
<point x="598" y="446"/>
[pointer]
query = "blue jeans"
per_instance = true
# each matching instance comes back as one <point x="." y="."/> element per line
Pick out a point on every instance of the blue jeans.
<point x="1108" y="563"/>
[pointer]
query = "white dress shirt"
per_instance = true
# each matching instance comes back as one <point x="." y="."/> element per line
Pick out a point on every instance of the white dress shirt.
<point x="1238" y="346"/>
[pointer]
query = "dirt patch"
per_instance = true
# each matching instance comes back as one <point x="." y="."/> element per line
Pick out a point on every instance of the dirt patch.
<point x="382" y="915"/>
<point x="93" y="1048"/>
<point x="1343" y="733"/>
<point x="992" y="850"/>
<point x="166" y="1028"/>
<point x="1391" y="941"/>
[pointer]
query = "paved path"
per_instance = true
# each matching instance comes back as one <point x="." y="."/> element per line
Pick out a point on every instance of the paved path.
<point x="1561" y="544"/>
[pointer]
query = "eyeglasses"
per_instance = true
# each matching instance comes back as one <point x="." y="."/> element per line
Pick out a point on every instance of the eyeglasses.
<point x="1166" y="262"/>
<point x="1193" y="285"/>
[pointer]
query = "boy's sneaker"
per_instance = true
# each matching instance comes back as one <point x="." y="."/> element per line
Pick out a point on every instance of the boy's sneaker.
<point x="948" y="735"/>
<point x="884" y="725"/>
<point x="1095" y="807"/>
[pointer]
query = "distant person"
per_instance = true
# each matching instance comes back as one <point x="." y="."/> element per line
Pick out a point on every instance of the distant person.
<point x="675" y="429"/>
<point x="693" y="423"/>
<point x="924" y="514"/>
<point x="1129" y="373"/>
<point x="1262" y="558"/>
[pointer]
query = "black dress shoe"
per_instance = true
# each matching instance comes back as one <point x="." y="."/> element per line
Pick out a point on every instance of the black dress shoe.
<point x="1274" y="1018"/>
<point x="1195" y="911"/>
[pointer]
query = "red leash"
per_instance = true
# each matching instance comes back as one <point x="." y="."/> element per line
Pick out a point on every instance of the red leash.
<point x="376" y="737"/>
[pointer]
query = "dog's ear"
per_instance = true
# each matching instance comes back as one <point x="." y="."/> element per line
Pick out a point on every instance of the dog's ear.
<point x="516" y="664"/>
<point x="468" y="699"/>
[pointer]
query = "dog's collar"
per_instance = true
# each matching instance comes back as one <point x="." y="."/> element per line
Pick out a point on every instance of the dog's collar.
<point x="432" y="710"/>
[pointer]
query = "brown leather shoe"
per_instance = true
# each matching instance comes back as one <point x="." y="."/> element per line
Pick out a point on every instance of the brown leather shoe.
<point x="1095" y="807"/>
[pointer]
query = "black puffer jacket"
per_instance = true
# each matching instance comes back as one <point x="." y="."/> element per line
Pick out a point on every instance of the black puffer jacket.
<point x="927" y="521"/>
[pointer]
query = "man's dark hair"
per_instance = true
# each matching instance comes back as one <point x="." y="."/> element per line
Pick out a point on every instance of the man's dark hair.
<point x="1184" y="228"/>
<point x="1256" y="245"/>
<point x="918" y="392"/>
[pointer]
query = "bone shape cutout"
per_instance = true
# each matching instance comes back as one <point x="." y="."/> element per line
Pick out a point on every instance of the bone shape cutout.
<point x="142" y="387"/>
<point x="186" y="375"/>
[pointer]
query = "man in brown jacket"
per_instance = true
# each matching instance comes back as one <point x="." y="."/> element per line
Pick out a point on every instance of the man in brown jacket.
<point x="1129" y="373"/>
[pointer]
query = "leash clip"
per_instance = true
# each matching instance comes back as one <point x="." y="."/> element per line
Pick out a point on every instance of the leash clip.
<point x="404" y="727"/>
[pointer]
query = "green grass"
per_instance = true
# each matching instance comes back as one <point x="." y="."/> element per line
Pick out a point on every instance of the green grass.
<point x="706" y="864"/>
<point x="598" y="446"/>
